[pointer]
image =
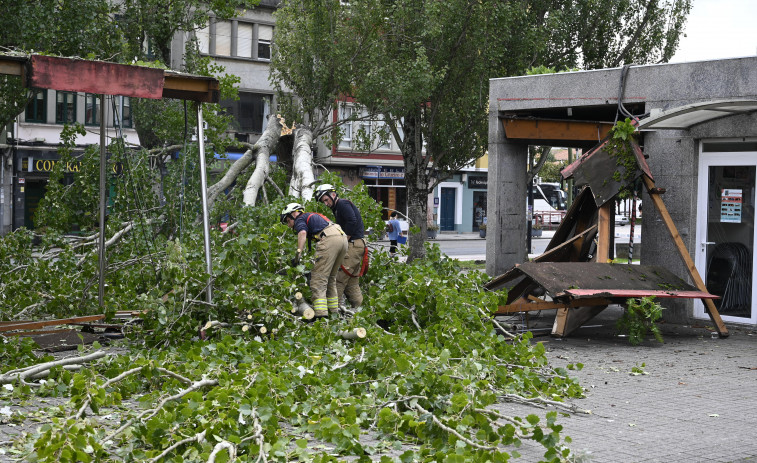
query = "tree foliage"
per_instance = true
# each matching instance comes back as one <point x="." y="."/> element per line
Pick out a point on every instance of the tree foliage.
<point x="422" y="386"/>
<point x="424" y="66"/>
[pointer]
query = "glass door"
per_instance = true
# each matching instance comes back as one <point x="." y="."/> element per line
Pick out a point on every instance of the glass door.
<point x="726" y="233"/>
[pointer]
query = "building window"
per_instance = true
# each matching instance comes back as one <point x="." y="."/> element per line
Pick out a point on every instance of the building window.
<point x="346" y="127"/>
<point x="91" y="109"/>
<point x="250" y="111"/>
<point x="223" y="38"/>
<point x="65" y="108"/>
<point x="203" y="40"/>
<point x="265" y="35"/>
<point x="236" y="38"/>
<point x="244" y="40"/>
<point x="122" y="114"/>
<point x="36" y="110"/>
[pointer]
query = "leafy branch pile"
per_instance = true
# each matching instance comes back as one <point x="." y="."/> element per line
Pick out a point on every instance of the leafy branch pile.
<point x="261" y="384"/>
<point x="641" y="316"/>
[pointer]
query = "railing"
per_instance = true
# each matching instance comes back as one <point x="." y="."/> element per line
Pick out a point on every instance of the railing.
<point x="548" y="220"/>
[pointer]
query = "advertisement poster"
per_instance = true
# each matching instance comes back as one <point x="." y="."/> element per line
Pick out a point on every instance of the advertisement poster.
<point x="730" y="205"/>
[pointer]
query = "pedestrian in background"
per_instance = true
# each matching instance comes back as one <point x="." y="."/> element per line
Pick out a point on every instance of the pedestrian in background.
<point x="347" y="215"/>
<point x="393" y="231"/>
<point x="330" y="249"/>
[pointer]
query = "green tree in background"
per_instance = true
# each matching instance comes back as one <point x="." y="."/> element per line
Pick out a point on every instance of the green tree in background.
<point x="424" y="66"/>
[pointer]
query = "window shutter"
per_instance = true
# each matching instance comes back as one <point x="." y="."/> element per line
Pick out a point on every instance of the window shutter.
<point x="244" y="40"/>
<point x="223" y="38"/>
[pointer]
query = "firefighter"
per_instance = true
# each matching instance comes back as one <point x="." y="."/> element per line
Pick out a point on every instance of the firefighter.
<point x="330" y="249"/>
<point x="348" y="217"/>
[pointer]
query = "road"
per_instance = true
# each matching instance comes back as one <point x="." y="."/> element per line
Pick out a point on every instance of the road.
<point x="471" y="247"/>
<point x="476" y="248"/>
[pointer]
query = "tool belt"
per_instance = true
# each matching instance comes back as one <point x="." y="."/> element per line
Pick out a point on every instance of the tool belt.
<point x="331" y="230"/>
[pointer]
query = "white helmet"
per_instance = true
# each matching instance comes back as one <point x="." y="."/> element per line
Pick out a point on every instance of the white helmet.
<point x="291" y="207"/>
<point x="322" y="190"/>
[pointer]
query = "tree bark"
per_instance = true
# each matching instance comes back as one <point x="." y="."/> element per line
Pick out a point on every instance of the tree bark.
<point x="357" y="333"/>
<point x="416" y="181"/>
<point x="301" y="185"/>
<point x="265" y="146"/>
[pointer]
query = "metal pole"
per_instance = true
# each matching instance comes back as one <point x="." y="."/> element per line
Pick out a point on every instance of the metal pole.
<point x="103" y="204"/>
<point x="204" y="187"/>
<point x="570" y="181"/>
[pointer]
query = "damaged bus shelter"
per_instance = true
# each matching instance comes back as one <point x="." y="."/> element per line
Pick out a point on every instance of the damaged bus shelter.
<point x="576" y="272"/>
<point x="697" y="129"/>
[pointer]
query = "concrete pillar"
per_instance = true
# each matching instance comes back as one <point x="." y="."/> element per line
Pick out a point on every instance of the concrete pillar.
<point x="506" y="201"/>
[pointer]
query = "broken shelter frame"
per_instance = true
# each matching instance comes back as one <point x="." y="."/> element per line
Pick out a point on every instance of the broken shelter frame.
<point x="105" y="78"/>
<point x="572" y="311"/>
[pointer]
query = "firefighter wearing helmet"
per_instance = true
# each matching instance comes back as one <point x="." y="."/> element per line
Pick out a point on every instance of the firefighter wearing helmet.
<point x="348" y="217"/>
<point x="330" y="249"/>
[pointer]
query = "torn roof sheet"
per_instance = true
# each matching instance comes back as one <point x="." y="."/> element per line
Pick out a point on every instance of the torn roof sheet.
<point x="590" y="279"/>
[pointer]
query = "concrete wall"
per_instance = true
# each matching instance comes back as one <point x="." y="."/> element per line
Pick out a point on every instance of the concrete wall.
<point x="673" y="154"/>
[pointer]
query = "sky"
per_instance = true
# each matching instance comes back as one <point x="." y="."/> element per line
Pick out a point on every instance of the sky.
<point x="719" y="29"/>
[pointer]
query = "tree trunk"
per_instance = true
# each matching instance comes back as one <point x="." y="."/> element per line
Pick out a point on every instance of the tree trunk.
<point x="301" y="185"/>
<point x="265" y="146"/>
<point x="416" y="181"/>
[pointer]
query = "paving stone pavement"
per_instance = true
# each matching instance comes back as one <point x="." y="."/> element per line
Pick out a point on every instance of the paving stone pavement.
<point x="697" y="401"/>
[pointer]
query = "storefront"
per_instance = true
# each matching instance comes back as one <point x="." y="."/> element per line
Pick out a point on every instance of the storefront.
<point x="726" y="229"/>
<point x="33" y="168"/>
<point x="386" y="185"/>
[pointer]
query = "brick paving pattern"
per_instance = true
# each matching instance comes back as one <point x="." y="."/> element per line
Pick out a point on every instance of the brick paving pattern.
<point x="697" y="402"/>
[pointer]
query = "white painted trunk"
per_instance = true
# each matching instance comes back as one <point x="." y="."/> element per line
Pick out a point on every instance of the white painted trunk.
<point x="303" y="179"/>
<point x="265" y="145"/>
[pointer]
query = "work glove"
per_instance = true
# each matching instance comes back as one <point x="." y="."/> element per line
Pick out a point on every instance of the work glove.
<point x="296" y="259"/>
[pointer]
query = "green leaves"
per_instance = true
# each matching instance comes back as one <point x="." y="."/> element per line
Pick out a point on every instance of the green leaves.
<point x="641" y="315"/>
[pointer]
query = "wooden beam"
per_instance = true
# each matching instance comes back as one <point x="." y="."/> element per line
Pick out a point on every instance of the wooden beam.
<point x="712" y="311"/>
<point x="604" y="227"/>
<point x="521" y="306"/>
<point x="194" y="88"/>
<point x="574" y="243"/>
<point x="550" y="129"/>
<point x="11" y="68"/>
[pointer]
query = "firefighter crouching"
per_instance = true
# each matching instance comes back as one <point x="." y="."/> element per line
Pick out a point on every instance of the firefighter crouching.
<point x="347" y="215"/>
<point x="330" y="249"/>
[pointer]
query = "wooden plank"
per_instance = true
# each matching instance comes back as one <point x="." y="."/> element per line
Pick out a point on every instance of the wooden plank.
<point x="98" y="77"/>
<point x="40" y="324"/>
<point x="604" y="226"/>
<point x="571" y="319"/>
<point x="194" y="88"/>
<point x="698" y="282"/>
<point x="577" y="240"/>
<point x="11" y="68"/>
<point x="521" y="306"/>
<point x="546" y="129"/>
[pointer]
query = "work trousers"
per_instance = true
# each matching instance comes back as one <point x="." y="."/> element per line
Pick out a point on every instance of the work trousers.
<point x="348" y="285"/>
<point x="329" y="254"/>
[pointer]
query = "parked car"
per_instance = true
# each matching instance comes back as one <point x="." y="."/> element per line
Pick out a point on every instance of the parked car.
<point x="621" y="220"/>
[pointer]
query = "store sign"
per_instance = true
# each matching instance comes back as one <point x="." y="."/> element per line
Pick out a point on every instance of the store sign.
<point x="47" y="165"/>
<point x="379" y="172"/>
<point x="370" y="172"/>
<point x="478" y="182"/>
